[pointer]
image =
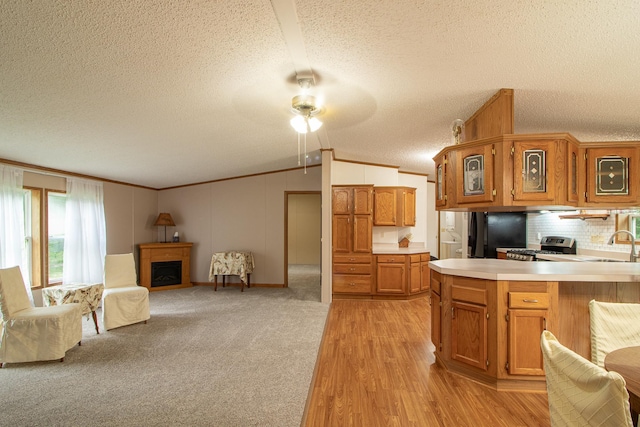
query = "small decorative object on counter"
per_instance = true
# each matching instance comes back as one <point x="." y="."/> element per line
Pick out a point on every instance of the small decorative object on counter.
<point x="404" y="243"/>
<point x="457" y="128"/>
<point x="176" y="237"/>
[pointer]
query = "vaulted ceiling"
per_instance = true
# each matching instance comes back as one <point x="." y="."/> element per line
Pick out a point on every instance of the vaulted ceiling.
<point x="166" y="93"/>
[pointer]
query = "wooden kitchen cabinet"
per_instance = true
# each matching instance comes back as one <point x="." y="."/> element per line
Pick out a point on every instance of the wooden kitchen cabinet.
<point x="612" y="173"/>
<point x="469" y="322"/>
<point x="475" y="173"/>
<point x="391" y="276"/>
<point x="469" y="334"/>
<point x="526" y="319"/>
<point x="415" y="274"/>
<point x="352" y="240"/>
<point x="436" y="311"/>
<point x="394" y="206"/>
<point x="442" y="165"/>
<point x="425" y="270"/>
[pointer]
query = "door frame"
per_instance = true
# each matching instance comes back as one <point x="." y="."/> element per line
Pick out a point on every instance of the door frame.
<point x="286" y="231"/>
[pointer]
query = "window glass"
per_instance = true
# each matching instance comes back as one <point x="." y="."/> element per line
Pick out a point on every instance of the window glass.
<point x="634" y="222"/>
<point x="55" y="211"/>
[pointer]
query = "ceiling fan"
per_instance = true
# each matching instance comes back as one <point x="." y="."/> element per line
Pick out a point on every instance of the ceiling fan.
<point x="305" y="108"/>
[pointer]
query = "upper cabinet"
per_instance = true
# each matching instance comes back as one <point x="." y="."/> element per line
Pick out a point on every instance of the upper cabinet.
<point x="394" y="206"/>
<point x="612" y="174"/>
<point x="494" y="168"/>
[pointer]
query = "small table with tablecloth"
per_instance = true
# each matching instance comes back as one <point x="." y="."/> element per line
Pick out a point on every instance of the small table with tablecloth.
<point x="88" y="295"/>
<point x="231" y="263"/>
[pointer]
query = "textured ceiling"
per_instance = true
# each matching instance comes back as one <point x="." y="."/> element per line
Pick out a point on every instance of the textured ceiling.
<point x="165" y="93"/>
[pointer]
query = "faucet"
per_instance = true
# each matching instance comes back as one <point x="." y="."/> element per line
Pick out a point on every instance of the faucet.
<point x="633" y="256"/>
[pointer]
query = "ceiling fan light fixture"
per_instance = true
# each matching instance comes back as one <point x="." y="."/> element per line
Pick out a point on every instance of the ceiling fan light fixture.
<point x="314" y="124"/>
<point x="299" y="123"/>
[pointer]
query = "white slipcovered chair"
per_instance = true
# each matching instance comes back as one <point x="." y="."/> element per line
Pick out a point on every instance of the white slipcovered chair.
<point x="123" y="301"/>
<point x="614" y="325"/>
<point x="581" y="393"/>
<point x="28" y="333"/>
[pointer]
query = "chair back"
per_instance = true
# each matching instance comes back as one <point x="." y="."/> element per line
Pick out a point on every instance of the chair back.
<point x="119" y="271"/>
<point x="13" y="294"/>
<point x="614" y="325"/>
<point x="581" y="393"/>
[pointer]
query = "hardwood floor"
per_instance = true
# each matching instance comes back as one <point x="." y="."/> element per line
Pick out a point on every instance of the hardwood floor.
<point x="376" y="367"/>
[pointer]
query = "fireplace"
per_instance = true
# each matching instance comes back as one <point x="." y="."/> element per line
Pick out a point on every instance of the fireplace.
<point x="165" y="266"/>
<point x="166" y="273"/>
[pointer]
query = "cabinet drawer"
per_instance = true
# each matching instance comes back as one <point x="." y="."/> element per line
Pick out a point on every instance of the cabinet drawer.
<point x="425" y="257"/>
<point x="415" y="258"/>
<point x="473" y="295"/>
<point x="351" y="284"/>
<point x="348" y="259"/>
<point x="528" y="300"/>
<point x="436" y="279"/>
<point x="352" y="268"/>
<point x="390" y="258"/>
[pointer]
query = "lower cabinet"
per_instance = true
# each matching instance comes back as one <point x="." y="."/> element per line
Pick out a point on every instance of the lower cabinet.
<point x="436" y="311"/>
<point x="352" y="275"/>
<point x="391" y="276"/>
<point x="527" y="318"/>
<point x="469" y="334"/>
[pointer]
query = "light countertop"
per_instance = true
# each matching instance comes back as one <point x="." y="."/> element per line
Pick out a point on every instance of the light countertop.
<point x="393" y="249"/>
<point x="498" y="269"/>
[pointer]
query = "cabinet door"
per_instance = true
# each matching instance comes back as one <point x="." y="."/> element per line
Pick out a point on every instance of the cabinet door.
<point x="391" y="278"/>
<point x="572" y="166"/>
<point x="362" y="234"/>
<point x="384" y="212"/>
<point x="409" y="207"/>
<point x="474" y="168"/>
<point x="525" y="328"/>
<point x="612" y="175"/>
<point x="425" y="278"/>
<point x="441" y="186"/>
<point x="362" y="200"/>
<point x="341" y="200"/>
<point x="341" y="233"/>
<point x="469" y="334"/>
<point x="532" y="163"/>
<point x="436" y="328"/>
<point x="415" y="277"/>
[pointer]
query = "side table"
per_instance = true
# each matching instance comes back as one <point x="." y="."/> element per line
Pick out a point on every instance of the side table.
<point x="231" y="263"/>
<point x="88" y="295"/>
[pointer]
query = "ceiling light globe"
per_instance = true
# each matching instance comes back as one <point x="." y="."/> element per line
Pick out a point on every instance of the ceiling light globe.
<point x="299" y="124"/>
<point x="314" y="124"/>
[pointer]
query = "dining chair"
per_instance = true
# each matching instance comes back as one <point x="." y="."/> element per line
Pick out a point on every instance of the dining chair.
<point x="28" y="333"/>
<point x="613" y="325"/>
<point x="123" y="301"/>
<point x="581" y="393"/>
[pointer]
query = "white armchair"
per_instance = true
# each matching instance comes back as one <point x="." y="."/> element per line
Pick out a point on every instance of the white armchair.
<point x="28" y="333"/>
<point x="581" y="393"/>
<point x="613" y="325"/>
<point x="123" y="301"/>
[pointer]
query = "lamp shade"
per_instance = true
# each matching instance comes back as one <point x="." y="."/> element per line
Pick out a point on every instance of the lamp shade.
<point x="164" y="219"/>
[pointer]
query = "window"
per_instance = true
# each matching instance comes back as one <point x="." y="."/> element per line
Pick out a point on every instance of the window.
<point x="55" y="235"/>
<point x="634" y="225"/>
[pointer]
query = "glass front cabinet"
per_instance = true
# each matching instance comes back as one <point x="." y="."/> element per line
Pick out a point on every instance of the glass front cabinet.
<point x="612" y="175"/>
<point x="474" y="171"/>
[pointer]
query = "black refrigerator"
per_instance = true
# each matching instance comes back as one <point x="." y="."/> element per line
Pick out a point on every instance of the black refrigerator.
<point x="491" y="230"/>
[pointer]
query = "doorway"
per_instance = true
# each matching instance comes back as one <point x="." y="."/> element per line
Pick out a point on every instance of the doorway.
<point x="303" y="244"/>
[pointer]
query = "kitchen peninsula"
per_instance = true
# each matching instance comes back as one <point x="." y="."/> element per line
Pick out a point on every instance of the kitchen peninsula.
<point x="487" y="315"/>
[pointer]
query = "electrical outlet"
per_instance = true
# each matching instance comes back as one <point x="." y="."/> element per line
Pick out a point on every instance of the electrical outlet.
<point x="597" y="238"/>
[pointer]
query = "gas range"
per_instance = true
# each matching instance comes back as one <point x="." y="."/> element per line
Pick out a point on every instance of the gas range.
<point x="550" y="245"/>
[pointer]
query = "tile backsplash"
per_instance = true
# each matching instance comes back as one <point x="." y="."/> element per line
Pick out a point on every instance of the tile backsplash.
<point x="590" y="234"/>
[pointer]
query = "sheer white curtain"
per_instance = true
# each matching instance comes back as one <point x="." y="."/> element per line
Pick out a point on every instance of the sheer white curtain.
<point x="12" y="243"/>
<point x="85" y="238"/>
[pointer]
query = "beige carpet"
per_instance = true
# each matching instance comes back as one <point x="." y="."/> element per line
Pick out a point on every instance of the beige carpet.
<point x="205" y="358"/>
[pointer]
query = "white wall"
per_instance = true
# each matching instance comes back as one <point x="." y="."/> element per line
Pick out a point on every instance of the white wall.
<point x="237" y="214"/>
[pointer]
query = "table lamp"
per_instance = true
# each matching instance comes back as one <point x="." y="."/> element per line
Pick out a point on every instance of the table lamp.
<point x="164" y="219"/>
